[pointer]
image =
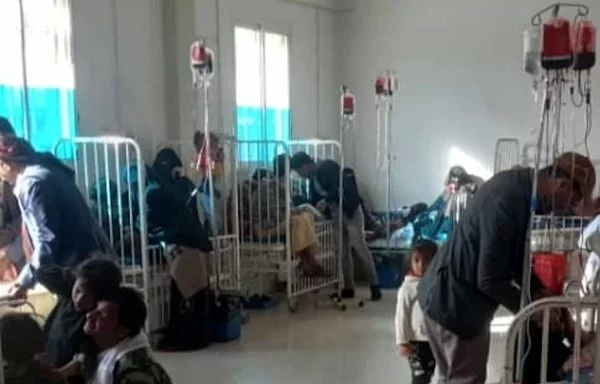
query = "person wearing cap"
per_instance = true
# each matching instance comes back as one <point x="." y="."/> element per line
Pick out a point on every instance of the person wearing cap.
<point x="59" y="227"/>
<point x="480" y="267"/>
<point x="324" y="188"/>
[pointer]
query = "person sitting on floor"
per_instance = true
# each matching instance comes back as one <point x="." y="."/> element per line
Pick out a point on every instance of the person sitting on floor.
<point x="116" y="326"/>
<point x="68" y="349"/>
<point x="20" y="363"/>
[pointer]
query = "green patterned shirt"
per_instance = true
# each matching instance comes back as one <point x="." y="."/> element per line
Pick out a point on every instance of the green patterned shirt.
<point x="138" y="367"/>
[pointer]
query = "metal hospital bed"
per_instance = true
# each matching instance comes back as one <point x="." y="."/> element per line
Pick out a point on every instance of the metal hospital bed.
<point x="109" y="169"/>
<point x="268" y="254"/>
<point x="556" y="234"/>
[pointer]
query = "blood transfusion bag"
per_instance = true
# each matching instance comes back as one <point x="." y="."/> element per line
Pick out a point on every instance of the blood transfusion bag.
<point x="348" y="103"/>
<point x="557" y="50"/>
<point x="584" y="45"/>
<point x="201" y="57"/>
<point x="385" y="85"/>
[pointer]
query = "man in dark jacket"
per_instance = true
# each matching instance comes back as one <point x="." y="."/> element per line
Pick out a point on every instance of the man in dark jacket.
<point x="481" y="266"/>
<point x="324" y="187"/>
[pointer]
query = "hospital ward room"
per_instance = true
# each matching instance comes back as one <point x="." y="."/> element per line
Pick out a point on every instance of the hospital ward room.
<point x="299" y="192"/>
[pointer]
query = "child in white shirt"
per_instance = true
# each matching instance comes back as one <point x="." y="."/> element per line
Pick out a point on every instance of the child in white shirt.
<point x="411" y="337"/>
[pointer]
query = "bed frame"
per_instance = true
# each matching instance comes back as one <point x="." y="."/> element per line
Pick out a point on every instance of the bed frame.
<point x="272" y="255"/>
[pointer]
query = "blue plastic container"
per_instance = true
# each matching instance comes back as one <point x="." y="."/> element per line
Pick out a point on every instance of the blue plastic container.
<point x="390" y="272"/>
<point x="230" y="330"/>
<point x="228" y="318"/>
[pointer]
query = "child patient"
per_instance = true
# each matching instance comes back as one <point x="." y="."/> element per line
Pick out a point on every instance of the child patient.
<point x="411" y="337"/>
<point x="68" y="349"/>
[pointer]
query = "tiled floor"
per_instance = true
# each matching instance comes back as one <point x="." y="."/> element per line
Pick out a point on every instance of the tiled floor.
<point x="316" y="345"/>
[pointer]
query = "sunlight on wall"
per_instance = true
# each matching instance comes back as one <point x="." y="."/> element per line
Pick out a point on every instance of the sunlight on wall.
<point x="472" y="165"/>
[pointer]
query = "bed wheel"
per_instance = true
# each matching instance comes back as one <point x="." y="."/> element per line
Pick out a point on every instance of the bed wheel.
<point x="343" y="307"/>
<point x="292" y="306"/>
<point x="361" y="304"/>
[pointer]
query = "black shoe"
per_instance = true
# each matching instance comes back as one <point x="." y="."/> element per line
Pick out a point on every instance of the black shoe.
<point x="347" y="293"/>
<point x="375" y="293"/>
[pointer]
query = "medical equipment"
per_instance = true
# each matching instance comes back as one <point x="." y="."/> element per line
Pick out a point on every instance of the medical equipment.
<point x="584" y="45"/>
<point x="201" y="62"/>
<point x="385" y="90"/>
<point x="563" y="60"/>
<point x="531" y="51"/>
<point x="506" y="154"/>
<point x="202" y="65"/>
<point x="347" y="111"/>
<point x="557" y="50"/>
<point x="386" y="86"/>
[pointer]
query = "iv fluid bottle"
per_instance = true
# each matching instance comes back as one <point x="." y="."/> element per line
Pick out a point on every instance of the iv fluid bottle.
<point x="531" y="51"/>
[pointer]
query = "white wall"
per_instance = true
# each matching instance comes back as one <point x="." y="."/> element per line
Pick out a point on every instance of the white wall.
<point x="461" y="86"/>
<point x="313" y="74"/>
<point x="120" y="68"/>
<point x="132" y="69"/>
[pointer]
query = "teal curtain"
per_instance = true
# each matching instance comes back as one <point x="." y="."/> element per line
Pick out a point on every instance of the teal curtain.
<point x="40" y="103"/>
<point x="250" y="128"/>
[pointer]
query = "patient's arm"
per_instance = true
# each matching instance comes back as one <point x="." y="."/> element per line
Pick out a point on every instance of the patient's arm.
<point x="71" y="369"/>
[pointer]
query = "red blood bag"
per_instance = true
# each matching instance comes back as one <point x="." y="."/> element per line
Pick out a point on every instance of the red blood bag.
<point x="557" y="50"/>
<point x="551" y="269"/>
<point x="584" y="45"/>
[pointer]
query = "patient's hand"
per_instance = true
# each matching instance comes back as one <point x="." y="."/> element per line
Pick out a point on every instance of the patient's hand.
<point x="322" y="205"/>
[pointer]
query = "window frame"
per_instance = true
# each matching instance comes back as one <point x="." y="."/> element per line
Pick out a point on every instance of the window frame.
<point x="263" y="27"/>
<point x="24" y="29"/>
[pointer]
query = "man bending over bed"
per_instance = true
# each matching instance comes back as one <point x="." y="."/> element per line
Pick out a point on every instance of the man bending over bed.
<point x="263" y="210"/>
<point x="324" y="186"/>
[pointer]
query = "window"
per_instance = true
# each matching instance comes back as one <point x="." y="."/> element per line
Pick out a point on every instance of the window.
<point x="262" y="74"/>
<point x="37" y="82"/>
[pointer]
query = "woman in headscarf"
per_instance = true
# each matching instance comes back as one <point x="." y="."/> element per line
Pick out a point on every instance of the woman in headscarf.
<point x="59" y="227"/>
